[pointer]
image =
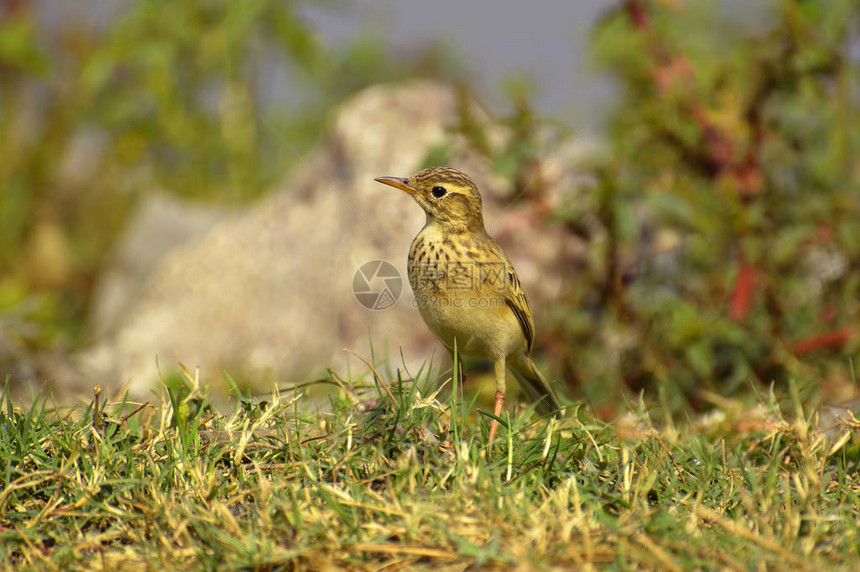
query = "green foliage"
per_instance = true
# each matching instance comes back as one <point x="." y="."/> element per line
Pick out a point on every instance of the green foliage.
<point x="167" y="97"/>
<point x="392" y="476"/>
<point x="737" y="155"/>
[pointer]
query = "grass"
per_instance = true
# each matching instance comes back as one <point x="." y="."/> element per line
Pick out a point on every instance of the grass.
<point x="395" y="476"/>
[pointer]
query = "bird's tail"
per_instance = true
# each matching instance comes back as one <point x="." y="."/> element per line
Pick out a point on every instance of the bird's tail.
<point x="533" y="383"/>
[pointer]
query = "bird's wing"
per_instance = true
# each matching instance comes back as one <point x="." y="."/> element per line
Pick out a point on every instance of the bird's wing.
<point x="515" y="298"/>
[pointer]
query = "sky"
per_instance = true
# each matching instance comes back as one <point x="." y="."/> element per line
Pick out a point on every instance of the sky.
<point x="543" y="41"/>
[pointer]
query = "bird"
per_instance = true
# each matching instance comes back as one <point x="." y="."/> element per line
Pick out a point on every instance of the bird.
<point x="466" y="288"/>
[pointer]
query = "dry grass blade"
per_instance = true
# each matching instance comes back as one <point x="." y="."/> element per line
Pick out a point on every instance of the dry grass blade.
<point x="369" y="487"/>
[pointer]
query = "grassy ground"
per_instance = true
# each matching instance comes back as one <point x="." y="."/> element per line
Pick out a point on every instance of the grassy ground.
<point x="401" y="479"/>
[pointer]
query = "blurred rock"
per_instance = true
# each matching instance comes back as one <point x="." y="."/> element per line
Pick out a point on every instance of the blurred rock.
<point x="160" y="224"/>
<point x="268" y="293"/>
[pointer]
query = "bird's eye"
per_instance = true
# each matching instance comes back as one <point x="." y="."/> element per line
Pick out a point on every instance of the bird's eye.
<point x="439" y="192"/>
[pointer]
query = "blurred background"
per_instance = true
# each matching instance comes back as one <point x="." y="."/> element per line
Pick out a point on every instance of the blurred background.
<point x="707" y="248"/>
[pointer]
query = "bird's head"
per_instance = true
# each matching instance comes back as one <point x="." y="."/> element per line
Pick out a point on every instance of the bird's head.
<point x="448" y="196"/>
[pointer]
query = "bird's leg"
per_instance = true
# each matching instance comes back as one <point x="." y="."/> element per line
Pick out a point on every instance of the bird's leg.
<point x="499" y="370"/>
<point x="500" y="402"/>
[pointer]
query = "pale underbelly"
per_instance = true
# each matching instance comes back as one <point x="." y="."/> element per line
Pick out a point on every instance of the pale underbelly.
<point x="481" y="327"/>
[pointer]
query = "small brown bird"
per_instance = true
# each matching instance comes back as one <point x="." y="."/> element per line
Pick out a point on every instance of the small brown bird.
<point x="466" y="288"/>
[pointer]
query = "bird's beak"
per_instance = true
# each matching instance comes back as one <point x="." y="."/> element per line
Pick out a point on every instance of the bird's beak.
<point x="397" y="183"/>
